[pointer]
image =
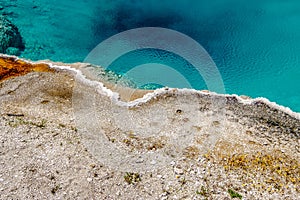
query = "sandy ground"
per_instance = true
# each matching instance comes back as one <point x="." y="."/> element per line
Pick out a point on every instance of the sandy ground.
<point x="61" y="138"/>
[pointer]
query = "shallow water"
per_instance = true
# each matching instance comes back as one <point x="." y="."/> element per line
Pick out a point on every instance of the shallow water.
<point x="255" y="44"/>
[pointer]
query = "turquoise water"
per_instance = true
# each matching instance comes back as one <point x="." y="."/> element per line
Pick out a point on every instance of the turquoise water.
<point x="255" y="44"/>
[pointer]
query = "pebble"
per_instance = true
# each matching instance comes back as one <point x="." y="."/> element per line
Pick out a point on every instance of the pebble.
<point x="139" y="160"/>
<point x="265" y="143"/>
<point x="164" y="197"/>
<point x="153" y="162"/>
<point x="89" y="179"/>
<point x="178" y="170"/>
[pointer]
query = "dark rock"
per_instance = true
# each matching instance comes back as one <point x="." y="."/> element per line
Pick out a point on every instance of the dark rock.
<point x="8" y="13"/>
<point x="10" y="37"/>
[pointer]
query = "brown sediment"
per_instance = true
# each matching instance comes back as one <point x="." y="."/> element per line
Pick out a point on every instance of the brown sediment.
<point x="12" y="67"/>
<point x="127" y="94"/>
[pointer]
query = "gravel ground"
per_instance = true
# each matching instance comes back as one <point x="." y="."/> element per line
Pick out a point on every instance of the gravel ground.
<point x="45" y="151"/>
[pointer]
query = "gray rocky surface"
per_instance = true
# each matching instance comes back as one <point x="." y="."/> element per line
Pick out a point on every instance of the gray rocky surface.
<point x="43" y="151"/>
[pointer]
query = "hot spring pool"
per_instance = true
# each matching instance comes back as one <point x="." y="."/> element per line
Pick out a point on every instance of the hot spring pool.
<point x="255" y="44"/>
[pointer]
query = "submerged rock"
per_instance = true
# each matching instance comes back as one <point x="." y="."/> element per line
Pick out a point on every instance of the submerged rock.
<point x="13" y="51"/>
<point x="10" y="37"/>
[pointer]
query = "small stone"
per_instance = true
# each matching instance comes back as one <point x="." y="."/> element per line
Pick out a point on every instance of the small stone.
<point x="153" y="162"/>
<point x="178" y="111"/>
<point x="178" y="170"/>
<point x="89" y="179"/>
<point x="139" y="160"/>
<point x="92" y="165"/>
<point x="164" y="197"/>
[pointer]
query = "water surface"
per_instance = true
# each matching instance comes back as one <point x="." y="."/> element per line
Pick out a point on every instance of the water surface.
<point x="255" y="44"/>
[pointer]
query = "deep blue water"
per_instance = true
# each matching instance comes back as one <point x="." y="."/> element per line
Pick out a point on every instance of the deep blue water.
<point x="255" y="44"/>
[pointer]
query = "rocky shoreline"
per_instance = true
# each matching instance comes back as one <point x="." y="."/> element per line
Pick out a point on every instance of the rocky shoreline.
<point x="45" y="137"/>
